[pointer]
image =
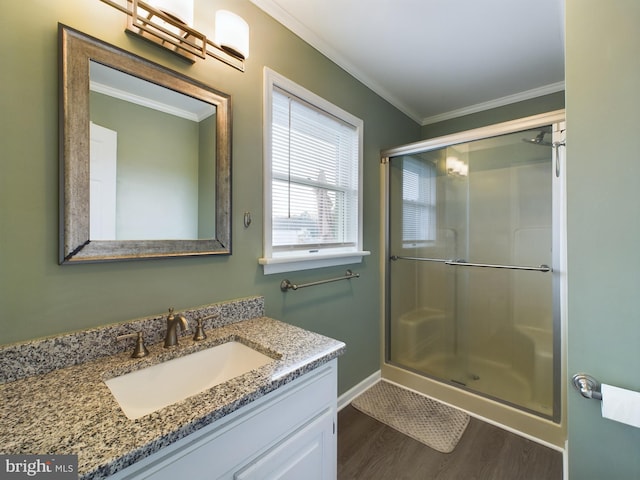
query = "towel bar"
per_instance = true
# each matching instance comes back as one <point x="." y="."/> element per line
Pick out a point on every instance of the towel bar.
<point x="286" y="285"/>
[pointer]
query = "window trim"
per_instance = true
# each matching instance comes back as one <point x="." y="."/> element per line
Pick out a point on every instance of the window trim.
<point x="296" y="260"/>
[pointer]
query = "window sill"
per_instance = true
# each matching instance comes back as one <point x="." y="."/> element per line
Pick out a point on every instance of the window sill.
<point x="294" y="263"/>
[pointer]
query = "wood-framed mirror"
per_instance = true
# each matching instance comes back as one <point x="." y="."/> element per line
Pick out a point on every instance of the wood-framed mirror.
<point x="145" y="157"/>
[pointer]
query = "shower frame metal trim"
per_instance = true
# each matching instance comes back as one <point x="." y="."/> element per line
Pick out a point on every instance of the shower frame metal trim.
<point x="513" y="126"/>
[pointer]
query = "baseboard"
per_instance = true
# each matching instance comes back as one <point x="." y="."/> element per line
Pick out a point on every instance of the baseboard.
<point x="346" y="398"/>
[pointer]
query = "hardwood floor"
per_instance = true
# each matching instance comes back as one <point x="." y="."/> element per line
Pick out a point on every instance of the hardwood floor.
<point x="370" y="450"/>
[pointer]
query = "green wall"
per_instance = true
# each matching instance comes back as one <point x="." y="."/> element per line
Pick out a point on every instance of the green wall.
<point x="157" y="169"/>
<point x="40" y="298"/>
<point x="603" y="171"/>
<point x="525" y="108"/>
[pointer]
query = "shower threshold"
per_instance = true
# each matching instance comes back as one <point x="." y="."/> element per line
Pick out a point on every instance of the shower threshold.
<point x="491" y="379"/>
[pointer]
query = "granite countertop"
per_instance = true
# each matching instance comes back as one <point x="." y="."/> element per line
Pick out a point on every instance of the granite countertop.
<point x="70" y="410"/>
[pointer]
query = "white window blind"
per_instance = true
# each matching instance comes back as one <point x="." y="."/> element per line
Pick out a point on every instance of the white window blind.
<point x="313" y="180"/>
<point x="418" y="201"/>
<point x="314" y="161"/>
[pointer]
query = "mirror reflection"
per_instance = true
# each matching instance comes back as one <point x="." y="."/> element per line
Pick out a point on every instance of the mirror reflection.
<point x="150" y="146"/>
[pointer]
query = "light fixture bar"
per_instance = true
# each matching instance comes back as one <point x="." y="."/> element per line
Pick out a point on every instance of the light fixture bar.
<point x="159" y="28"/>
<point x="138" y="24"/>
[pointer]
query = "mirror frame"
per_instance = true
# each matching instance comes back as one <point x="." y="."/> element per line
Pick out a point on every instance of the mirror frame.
<point x="76" y="51"/>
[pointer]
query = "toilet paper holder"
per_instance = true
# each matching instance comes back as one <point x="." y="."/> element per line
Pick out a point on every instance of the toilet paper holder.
<point x="588" y="386"/>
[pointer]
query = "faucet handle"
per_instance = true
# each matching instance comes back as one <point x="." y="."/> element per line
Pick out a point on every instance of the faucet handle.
<point x="140" y="349"/>
<point x="200" y="335"/>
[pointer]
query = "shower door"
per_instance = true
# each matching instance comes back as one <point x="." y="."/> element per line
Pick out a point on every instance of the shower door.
<point x="470" y="292"/>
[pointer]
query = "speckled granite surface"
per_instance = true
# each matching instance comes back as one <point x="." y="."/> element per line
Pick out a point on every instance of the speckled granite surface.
<point x="70" y="410"/>
<point x="47" y="354"/>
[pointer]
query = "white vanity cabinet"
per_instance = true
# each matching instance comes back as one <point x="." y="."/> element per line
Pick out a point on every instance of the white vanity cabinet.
<point x="289" y="433"/>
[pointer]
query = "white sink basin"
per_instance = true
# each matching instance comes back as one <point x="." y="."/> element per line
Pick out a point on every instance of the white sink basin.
<point x="149" y="389"/>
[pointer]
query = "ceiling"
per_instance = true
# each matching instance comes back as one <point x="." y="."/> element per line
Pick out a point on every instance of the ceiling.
<point x="437" y="59"/>
<point x="132" y="89"/>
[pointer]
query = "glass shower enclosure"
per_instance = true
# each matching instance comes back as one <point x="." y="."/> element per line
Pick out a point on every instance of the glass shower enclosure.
<point x="471" y="292"/>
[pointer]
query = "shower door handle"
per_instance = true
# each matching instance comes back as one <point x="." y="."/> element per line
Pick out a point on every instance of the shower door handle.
<point x="462" y="263"/>
<point x="419" y="259"/>
<point x="459" y="263"/>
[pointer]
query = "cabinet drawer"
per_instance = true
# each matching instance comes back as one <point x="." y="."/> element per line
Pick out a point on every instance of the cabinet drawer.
<point x="306" y="454"/>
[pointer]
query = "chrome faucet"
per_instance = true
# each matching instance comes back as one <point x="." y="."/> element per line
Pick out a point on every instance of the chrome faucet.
<point x="171" y="337"/>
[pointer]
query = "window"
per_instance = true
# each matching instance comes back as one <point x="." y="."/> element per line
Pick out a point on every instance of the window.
<point x="418" y="202"/>
<point x="313" y="180"/>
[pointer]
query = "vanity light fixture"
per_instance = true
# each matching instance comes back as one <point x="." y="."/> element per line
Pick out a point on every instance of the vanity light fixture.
<point x="167" y="23"/>
<point x="232" y="33"/>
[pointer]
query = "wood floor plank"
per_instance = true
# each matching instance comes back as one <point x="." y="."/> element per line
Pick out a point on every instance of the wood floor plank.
<point x="370" y="450"/>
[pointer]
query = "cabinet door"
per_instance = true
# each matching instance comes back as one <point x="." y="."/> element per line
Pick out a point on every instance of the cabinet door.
<point x="306" y="454"/>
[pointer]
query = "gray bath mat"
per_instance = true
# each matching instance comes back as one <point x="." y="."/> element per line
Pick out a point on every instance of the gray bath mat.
<point x="432" y="423"/>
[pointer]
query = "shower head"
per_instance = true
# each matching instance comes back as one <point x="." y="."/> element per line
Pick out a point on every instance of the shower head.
<point x="538" y="140"/>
